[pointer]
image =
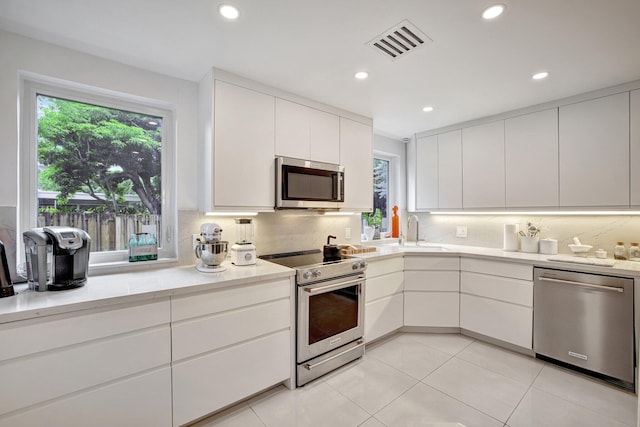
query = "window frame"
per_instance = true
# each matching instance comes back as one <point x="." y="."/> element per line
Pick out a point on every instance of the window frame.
<point x="33" y="85"/>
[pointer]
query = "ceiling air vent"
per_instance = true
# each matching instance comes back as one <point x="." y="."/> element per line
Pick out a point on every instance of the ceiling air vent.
<point x="399" y="40"/>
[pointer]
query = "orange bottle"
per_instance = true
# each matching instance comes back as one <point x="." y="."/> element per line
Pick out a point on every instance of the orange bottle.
<point x="395" y="223"/>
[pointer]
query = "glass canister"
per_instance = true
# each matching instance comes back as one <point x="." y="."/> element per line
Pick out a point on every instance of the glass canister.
<point x="634" y="252"/>
<point x="620" y="251"/>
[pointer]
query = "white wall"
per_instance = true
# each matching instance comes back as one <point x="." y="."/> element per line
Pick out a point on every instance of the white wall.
<point x="19" y="53"/>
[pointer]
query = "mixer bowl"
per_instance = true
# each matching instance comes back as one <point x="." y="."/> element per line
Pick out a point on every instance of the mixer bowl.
<point x="212" y="254"/>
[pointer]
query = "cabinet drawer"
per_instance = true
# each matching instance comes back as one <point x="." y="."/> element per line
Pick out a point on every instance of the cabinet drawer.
<point x="47" y="333"/>
<point x="143" y="400"/>
<point x="52" y="374"/>
<point x="506" y="322"/>
<point x="384" y="286"/>
<point x="207" y="303"/>
<point x="386" y="266"/>
<point x="497" y="268"/>
<point x="191" y="337"/>
<point x="432" y="281"/>
<point x="205" y="384"/>
<point x="431" y="263"/>
<point x="432" y="309"/>
<point x="501" y="288"/>
<point x="383" y="316"/>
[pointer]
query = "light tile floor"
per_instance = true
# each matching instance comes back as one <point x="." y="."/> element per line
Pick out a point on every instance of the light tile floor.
<point x="438" y="380"/>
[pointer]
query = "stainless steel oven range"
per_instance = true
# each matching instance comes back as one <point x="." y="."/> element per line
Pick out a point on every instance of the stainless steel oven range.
<point x="330" y="311"/>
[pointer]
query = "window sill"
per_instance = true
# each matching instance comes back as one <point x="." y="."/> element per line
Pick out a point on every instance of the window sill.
<point x="125" y="266"/>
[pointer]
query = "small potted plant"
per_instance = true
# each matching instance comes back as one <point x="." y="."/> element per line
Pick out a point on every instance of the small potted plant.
<point x="374" y="223"/>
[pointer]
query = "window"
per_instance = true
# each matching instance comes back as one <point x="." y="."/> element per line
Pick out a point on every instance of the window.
<point x="384" y="180"/>
<point x="381" y="191"/>
<point x="99" y="161"/>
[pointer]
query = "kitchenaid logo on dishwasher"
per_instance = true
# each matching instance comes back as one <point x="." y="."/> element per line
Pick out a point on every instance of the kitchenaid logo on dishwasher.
<point x="578" y="355"/>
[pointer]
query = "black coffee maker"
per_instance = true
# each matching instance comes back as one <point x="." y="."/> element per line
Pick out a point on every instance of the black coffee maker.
<point x="57" y="257"/>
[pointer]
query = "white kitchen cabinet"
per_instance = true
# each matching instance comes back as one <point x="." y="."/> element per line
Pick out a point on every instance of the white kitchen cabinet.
<point x="594" y="152"/>
<point x="439" y="171"/>
<point x="356" y="155"/>
<point x="531" y="160"/>
<point x="427" y="173"/>
<point x="383" y="312"/>
<point x="450" y="170"/>
<point x="635" y="146"/>
<point x="496" y="300"/>
<point x="306" y="133"/>
<point x="229" y="344"/>
<point x="119" y="355"/>
<point x="483" y="184"/>
<point x="431" y="291"/>
<point x="244" y="134"/>
<point x="236" y="149"/>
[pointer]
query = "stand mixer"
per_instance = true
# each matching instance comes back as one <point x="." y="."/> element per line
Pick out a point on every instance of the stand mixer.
<point x="210" y="250"/>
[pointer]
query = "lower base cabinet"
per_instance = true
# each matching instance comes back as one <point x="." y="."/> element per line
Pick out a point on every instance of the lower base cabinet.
<point x="432" y="291"/>
<point x="496" y="300"/>
<point x="497" y="319"/>
<point x="142" y="400"/>
<point x="383" y="316"/>
<point x="228" y="345"/>
<point x="103" y="367"/>
<point x="213" y="381"/>
<point x="383" y="311"/>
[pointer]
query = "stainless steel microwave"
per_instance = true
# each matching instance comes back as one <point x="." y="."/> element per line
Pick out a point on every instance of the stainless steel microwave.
<point x="305" y="184"/>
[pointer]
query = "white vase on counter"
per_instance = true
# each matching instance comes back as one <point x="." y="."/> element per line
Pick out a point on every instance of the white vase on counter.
<point x="529" y="244"/>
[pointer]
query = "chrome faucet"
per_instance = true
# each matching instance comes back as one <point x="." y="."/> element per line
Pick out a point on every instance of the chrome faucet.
<point x="417" y="227"/>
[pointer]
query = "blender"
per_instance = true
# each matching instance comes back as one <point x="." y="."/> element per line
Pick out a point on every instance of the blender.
<point x="210" y="250"/>
<point x="243" y="252"/>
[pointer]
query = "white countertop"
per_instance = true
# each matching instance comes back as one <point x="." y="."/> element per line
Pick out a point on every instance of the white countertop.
<point x="623" y="268"/>
<point x="120" y="288"/>
<point x="111" y="289"/>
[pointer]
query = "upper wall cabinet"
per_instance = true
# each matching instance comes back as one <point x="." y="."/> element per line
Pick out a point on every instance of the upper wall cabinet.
<point x="483" y="184"/>
<point x="243" y="154"/>
<point x="450" y="170"/>
<point x="306" y="133"/>
<point x="439" y="171"/>
<point x="427" y="172"/>
<point x="594" y="152"/>
<point x="531" y="160"/>
<point x="243" y="125"/>
<point x="356" y="155"/>
<point x="635" y="147"/>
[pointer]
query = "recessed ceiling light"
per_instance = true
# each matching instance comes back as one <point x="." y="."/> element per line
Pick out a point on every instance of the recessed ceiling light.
<point x="427" y="109"/>
<point x="541" y="75"/>
<point x="493" y="11"/>
<point x="228" y="11"/>
<point x="361" y="75"/>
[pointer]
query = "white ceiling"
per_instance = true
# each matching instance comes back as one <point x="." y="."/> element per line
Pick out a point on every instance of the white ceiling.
<point x="473" y="68"/>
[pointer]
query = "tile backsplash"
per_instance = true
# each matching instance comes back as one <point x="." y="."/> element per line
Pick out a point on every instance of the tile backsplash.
<point x="280" y="231"/>
<point x="286" y="231"/>
<point x="487" y="230"/>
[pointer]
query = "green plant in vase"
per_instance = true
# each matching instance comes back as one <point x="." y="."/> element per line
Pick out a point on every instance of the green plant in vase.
<point x="374" y="223"/>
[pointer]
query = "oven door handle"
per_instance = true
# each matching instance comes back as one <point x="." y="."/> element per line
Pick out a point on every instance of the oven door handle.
<point x="340" y="285"/>
<point x="309" y="366"/>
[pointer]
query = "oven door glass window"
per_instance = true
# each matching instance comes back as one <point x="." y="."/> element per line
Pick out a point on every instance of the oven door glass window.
<point x="332" y="313"/>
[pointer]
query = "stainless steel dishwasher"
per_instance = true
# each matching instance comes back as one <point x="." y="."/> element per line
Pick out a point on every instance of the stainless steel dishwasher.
<point x="585" y="321"/>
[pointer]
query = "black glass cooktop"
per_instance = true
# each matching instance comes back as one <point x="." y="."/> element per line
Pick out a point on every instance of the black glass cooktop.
<point x="300" y="258"/>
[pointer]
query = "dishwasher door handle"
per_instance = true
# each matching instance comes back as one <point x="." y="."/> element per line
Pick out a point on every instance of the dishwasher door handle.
<point x="586" y="285"/>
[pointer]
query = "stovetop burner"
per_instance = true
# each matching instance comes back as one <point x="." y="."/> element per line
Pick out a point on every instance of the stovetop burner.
<point x="312" y="266"/>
